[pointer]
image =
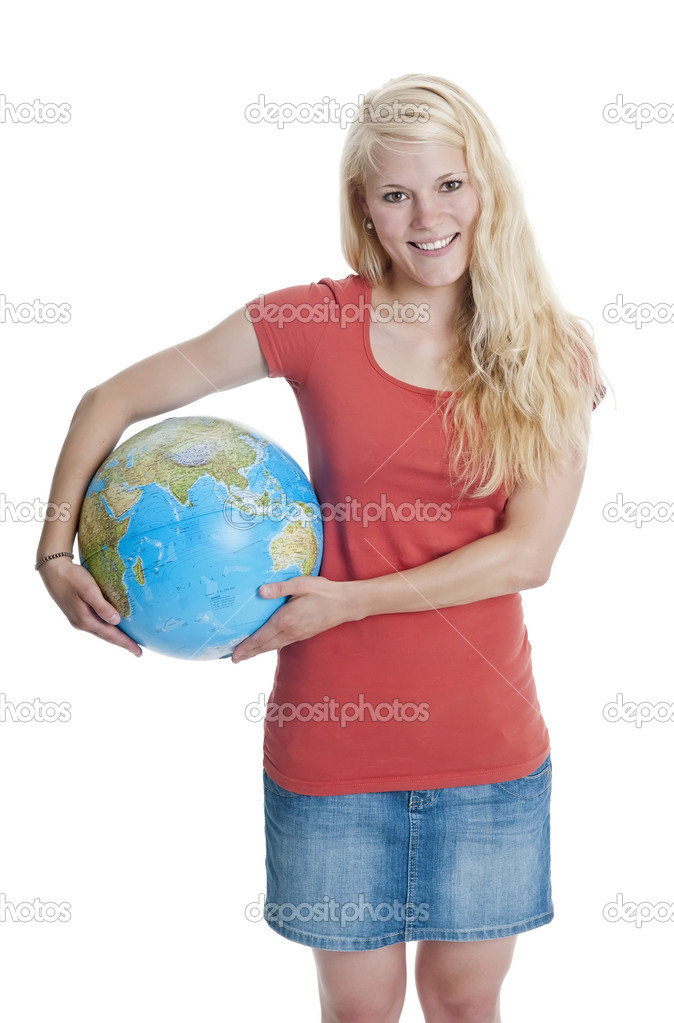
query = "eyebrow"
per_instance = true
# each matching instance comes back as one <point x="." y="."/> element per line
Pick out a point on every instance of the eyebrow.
<point x="449" y="174"/>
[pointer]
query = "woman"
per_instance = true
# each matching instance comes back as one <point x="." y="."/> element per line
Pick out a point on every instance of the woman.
<point x="446" y="396"/>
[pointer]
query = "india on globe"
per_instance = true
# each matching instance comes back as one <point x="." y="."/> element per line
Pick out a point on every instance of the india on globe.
<point x="184" y="521"/>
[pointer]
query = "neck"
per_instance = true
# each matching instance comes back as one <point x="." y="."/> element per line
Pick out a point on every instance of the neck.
<point x="442" y="302"/>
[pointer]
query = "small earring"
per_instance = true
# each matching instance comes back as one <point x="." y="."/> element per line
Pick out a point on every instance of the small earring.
<point x="367" y="224"/>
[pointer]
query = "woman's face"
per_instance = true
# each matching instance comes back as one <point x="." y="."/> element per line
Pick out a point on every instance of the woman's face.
<point x="423" y="196"/>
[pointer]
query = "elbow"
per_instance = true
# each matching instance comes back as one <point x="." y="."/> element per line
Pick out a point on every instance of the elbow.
<point x="538" y="572"/>
<point x="88" y="398"/>
<point x="531" y="568"/>
<point x="105" y="398"/>
<point x="82" y="405"/>
<point x="104" y="407"/>
<point x="538" y="579"/>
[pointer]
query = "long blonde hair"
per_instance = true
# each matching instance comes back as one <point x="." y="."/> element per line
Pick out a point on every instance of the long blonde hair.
<point x="529" y="369"/>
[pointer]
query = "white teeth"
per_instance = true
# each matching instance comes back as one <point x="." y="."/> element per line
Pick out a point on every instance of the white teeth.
<point x="436" y="245"/>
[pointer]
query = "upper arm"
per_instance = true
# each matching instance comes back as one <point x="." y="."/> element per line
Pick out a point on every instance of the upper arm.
<point x="228" y="355"/>
<point x="537" y="517"/>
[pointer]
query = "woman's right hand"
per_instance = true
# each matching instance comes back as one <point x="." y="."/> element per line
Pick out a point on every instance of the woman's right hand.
<point x="79" y="596"/>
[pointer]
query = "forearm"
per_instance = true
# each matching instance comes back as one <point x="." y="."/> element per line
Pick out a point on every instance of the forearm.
<point x="96" y="426"/>
<point x="489" y="567"/>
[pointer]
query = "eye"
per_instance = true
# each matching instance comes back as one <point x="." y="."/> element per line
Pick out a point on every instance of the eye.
<point x="455" y="182"/>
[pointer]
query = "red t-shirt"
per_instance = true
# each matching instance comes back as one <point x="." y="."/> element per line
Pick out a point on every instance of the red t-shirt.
<point x="411" y="700"/>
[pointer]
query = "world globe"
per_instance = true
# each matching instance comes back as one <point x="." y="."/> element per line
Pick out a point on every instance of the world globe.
<point x="184" y="521"/>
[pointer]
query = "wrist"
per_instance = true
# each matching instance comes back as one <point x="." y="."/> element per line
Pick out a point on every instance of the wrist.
<point x="48" y="559"/>
<point x="360" y="599"/>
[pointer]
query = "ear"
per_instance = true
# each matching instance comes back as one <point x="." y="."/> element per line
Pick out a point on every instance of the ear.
<point x="363" y="204"/>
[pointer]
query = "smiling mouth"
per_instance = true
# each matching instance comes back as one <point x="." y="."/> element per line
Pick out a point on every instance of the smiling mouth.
<point x="440" y="244"/>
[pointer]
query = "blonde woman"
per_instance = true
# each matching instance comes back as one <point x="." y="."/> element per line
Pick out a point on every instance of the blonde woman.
<point x="447" y="397"/>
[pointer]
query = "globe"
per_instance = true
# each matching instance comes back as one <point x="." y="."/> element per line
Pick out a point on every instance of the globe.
<point x="184" y="521"/>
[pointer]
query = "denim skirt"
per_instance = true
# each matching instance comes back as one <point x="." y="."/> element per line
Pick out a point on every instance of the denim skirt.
<point x="370" y="869"/>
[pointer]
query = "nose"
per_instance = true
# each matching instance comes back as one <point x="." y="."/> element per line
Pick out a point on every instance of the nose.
<point x="428" y="213"/>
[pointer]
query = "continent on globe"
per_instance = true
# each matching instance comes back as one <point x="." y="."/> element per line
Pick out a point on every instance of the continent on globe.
<point x="182" y="524"/>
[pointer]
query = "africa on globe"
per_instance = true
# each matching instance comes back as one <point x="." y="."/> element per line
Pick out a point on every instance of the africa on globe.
<point x="184" y="521"/>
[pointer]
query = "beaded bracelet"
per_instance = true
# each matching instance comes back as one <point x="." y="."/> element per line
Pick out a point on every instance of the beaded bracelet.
<point x="61" y="554"/>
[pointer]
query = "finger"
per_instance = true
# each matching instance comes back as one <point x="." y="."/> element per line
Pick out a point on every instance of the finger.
<point x="258" y="643"/>
<point x="243" y="651"/>
<point x="274" y="641"/>
<point x="90" y="622"/>
<point x="285" y="588"/>
<point x="106" y="611"/>
<point x="119" y="638"/>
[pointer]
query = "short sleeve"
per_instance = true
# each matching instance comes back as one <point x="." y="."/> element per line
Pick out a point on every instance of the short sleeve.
<point x="289" y="325"/>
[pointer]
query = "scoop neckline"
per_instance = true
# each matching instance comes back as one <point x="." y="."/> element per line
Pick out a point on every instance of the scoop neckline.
<point x="370" y="355"/>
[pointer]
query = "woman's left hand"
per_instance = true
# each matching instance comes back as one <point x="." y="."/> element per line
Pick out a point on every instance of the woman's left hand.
<point x="316" y="604"/>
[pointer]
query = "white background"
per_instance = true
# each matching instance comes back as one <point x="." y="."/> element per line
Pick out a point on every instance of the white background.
<point x="157" y="211"/>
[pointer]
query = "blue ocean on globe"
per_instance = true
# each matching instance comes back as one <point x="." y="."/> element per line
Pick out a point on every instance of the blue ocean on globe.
<point x="183" y="523"/>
